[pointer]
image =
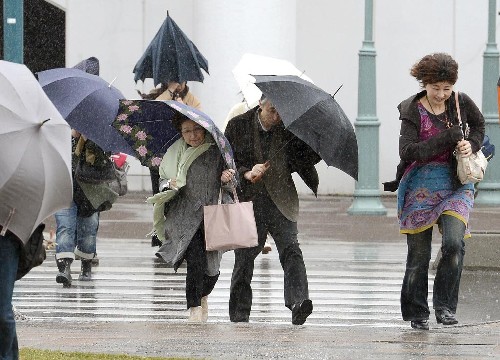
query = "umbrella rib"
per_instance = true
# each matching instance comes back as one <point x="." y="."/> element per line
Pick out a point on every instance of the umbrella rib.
<point x="277" y="151"/>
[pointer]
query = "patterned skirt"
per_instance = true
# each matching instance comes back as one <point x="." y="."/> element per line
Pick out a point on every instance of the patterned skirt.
<point x="426" y="192"/>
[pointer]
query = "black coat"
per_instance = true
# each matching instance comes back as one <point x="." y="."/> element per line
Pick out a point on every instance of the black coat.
<point x="300" y="157"/>
<point x="411" y="148"/>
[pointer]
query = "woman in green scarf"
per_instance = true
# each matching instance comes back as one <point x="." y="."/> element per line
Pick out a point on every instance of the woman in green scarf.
<point x="191" y="175"/>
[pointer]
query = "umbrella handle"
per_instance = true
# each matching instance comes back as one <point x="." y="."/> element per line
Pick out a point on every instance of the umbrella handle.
<point x="7" y="222"/>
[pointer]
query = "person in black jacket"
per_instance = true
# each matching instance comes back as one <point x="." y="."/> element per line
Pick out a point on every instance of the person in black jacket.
<point x="266" y="155"/>
<point x="429" y="192"/>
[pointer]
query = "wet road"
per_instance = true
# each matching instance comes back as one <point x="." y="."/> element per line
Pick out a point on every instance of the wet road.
<point x="351" y="282"/>
<point x="355" y="266"/>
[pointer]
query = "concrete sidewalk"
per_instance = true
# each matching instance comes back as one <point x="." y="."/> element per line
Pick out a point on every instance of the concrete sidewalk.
<point x="322" y="220"/>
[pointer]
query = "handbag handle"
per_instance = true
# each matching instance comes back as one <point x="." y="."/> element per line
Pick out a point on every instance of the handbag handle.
<point x="465" y="132"/>
<point x="458" y="111"/>
<point x="233" y="189"/>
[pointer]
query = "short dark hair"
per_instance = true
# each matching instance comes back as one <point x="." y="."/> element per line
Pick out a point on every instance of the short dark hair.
<point x="435" y="68"/>
<point x="177" y="121"/>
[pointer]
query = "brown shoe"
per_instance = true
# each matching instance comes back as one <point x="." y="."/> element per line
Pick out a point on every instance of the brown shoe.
<point x="267" y="248"/>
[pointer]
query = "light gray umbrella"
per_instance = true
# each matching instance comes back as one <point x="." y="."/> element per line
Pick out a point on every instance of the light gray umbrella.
<point x="35" y="153"/>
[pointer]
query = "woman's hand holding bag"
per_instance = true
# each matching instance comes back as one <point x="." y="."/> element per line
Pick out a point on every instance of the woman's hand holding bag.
<point x="471" y="168"/>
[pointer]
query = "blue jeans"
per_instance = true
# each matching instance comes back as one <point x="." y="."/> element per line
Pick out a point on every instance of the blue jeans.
<point x="414" y="291"/>
<point x="9" y="259"/>
<point x="75" y="234"/>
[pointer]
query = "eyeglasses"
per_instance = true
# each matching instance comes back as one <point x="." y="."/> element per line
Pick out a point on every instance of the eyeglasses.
<point x="197" y="130"/>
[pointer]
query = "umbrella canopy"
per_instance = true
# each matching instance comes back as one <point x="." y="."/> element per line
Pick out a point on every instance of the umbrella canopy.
<point x="171" y="56"/>
<point x="90" y="65"/>
<point x="35" y="153"/>
<point x="147" y="126"/>
<point x="315" y="117"/>
<point x="252" y="64"/>
<point x="88" y="103"/>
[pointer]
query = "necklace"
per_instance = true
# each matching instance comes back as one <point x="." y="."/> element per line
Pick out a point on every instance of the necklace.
<point x="445" y="121"/>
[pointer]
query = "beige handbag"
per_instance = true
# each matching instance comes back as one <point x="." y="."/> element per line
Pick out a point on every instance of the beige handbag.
<point x="230" y="226"/>
<point x="470" y="169"/>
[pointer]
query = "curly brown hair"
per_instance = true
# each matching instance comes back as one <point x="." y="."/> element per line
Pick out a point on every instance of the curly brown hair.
<point x="434" y="68"/>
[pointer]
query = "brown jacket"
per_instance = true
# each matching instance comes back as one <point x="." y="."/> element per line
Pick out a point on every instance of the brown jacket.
<point x="289" y="155"/>
<point x="189" y="99"/>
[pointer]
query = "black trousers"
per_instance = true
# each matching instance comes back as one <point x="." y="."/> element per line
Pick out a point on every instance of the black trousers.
<point x="414" y="291"/>
<point x="284" y="232"/>
<point x="198" y="283"/>
<point x="154" y="174"/>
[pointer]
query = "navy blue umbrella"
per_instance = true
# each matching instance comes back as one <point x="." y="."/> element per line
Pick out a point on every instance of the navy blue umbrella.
<point x="315" y="117"/>
<point x="147" y="126"/>
<point x="171" y="56"/>
<point x="88" y="103"/>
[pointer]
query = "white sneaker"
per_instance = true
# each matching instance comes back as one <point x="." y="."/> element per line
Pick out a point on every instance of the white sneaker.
<point x="195" y="314"/>
<point x="204" y="308"/>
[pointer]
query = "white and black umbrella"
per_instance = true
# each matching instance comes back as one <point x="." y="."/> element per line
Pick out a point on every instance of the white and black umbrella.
<point x="35" y="153"/>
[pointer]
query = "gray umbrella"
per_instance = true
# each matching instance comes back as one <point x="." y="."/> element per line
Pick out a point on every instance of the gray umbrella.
<point x="315" y="117"/>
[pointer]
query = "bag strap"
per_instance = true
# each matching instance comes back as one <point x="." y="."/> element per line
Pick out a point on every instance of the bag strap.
<point x="233" y="189"/>
<point x="457" y="104"/>
<point x="463" y="127"/>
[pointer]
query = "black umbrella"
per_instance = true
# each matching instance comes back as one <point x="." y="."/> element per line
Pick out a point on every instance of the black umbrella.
<point x="315" y="117"/>
<point x="171" y="56"/>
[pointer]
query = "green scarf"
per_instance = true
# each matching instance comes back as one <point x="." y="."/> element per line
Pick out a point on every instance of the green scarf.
<point x="174" y="165"/>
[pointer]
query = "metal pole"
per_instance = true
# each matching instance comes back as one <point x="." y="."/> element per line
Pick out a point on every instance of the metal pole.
<point x="489" y="193"/>
<point x="367" y="194"/>
<point x="13" y="30"/>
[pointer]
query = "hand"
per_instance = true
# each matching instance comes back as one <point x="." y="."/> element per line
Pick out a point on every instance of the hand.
<point x="227" y="175"/>
<point x="464" y="148"/>
<point x="173" y="86"/>
<point x="257" y="172"/>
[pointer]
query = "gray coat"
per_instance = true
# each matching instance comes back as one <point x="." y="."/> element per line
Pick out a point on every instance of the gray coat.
<point x="184" y="213"/>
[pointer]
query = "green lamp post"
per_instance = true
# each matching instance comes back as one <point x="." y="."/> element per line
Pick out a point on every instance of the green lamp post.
<point x="13" y="30"/>
<point x="489" y="188"/>
<point x="367" y="194"/>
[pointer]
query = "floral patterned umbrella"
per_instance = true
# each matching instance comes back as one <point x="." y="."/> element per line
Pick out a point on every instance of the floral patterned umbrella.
<point x="147" y="126"/>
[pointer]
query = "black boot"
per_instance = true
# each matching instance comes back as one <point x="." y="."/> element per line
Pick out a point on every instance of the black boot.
<point x="64" y="275"/>
<point x="86" y="274"/>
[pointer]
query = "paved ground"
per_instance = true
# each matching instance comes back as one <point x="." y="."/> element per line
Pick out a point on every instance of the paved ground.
<point x="355" y="265"/>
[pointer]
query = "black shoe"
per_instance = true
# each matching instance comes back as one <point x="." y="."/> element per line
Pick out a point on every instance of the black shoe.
<point x="86" y="272"/>
<point x="420" y="324"/>
<point x="445" y="317"/>
<point x="64" y="275"/>
<point x="301" y="311"/>
<point x="155" y="241"/>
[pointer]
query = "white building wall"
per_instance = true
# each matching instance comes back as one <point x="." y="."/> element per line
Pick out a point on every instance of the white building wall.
<point x="322" y="37"/>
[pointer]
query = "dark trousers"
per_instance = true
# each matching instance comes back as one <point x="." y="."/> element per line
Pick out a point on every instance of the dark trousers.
<point x="9" y="259"/>
<point x="284" y="232"/>
<point x="154" y="173"/>
<point x="414" y="291"/>
<point x="198" y="283"/>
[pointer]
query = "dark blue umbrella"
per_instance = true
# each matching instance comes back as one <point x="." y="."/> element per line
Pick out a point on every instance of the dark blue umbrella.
<point x="171" y="56"/>
<point x="315" y="117"/>
<point x="88" y="103"/>
<point x="147" y="127"/>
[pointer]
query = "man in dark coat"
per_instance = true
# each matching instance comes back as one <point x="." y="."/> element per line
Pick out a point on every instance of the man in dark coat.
<point x="266" y="155"/>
